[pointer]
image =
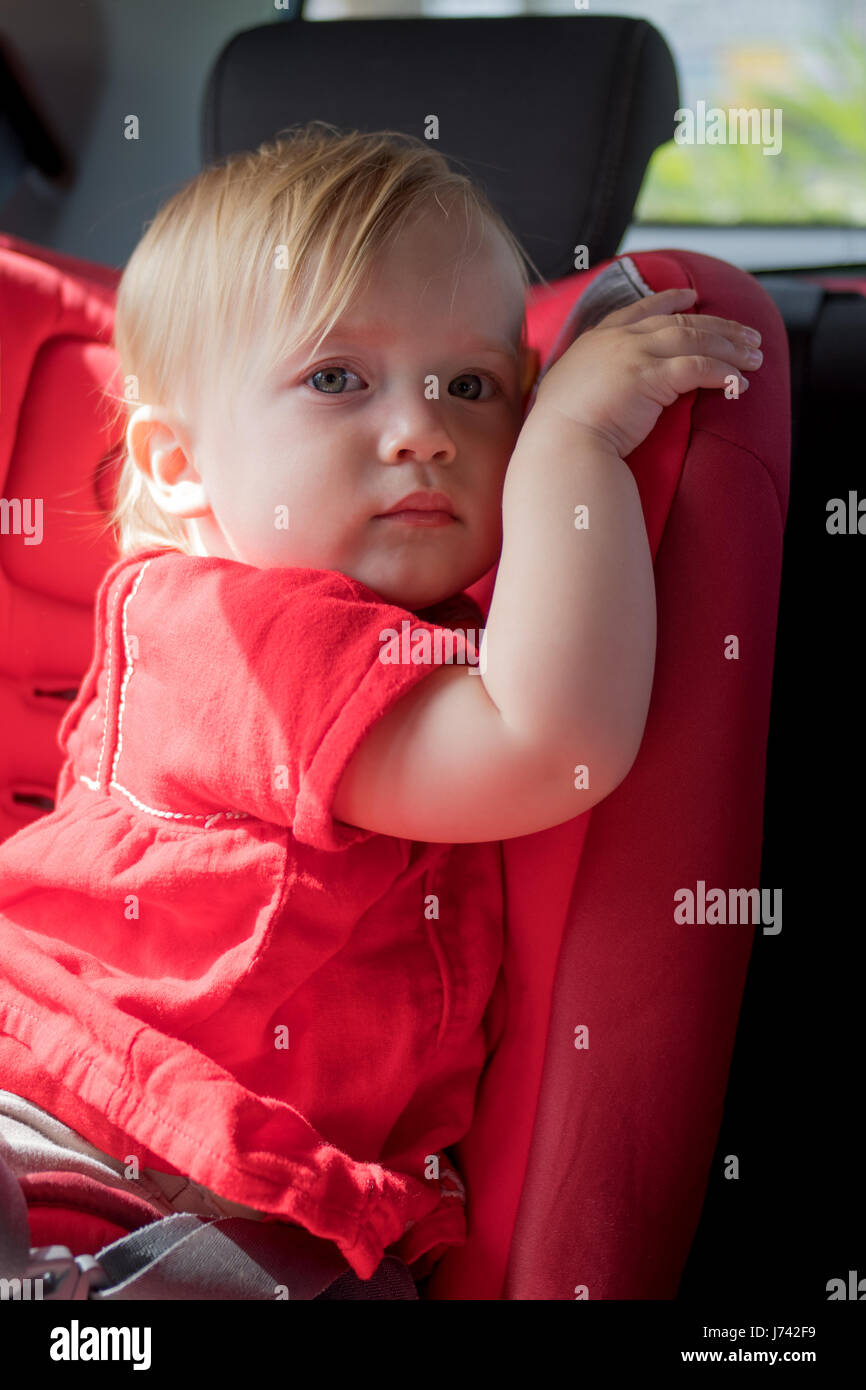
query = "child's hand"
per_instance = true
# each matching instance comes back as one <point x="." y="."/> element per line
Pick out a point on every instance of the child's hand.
<point x="616" y="379"/>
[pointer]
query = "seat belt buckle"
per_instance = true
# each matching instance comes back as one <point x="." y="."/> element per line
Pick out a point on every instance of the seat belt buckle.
<point x="62" y="1275"/>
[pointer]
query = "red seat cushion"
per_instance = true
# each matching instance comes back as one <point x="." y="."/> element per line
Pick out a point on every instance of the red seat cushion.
<point x="77" y="1211"/>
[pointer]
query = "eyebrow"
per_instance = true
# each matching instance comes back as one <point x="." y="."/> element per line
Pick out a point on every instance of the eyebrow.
<point x="499" y="346"/>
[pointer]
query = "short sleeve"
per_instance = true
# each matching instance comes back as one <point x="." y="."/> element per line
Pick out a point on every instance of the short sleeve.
<point x="249" y="690"/>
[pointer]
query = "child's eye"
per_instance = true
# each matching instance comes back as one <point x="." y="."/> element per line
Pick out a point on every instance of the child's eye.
<point x="469" y="386"/>
<point x="331" y="380"/>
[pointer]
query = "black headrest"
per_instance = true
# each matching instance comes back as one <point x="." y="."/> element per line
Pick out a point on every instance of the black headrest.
<point x="556" y="117"/>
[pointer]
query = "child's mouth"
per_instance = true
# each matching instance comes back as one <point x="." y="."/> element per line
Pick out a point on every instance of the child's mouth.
<point x="423" y="508"/>
<point x="414" y="517"/>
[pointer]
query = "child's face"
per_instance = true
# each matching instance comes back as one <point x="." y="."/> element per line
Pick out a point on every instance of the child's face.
<point x="330" y="441"/>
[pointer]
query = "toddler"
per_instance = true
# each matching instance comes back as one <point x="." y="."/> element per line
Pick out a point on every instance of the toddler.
<point x="251" y="958"/>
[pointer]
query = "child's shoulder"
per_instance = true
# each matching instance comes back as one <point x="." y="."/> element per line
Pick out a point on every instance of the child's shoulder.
<point x="170" y="566"/>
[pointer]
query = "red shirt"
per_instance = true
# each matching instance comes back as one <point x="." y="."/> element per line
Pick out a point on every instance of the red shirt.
<point x="199" y="965"/>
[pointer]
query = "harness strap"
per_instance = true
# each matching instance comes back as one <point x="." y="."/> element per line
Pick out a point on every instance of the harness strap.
<point x="194" y="1257"/>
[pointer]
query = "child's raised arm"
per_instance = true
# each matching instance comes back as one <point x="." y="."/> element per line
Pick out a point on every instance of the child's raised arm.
<point x="571" y="632"/>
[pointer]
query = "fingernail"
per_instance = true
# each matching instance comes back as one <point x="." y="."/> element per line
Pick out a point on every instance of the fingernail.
<point x="752" y="335"/>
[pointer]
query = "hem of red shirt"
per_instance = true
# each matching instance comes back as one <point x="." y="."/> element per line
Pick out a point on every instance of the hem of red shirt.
<point x="365" y="1209"/>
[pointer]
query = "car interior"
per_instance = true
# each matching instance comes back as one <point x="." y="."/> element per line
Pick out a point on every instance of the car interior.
<point x="602" y="1174"/>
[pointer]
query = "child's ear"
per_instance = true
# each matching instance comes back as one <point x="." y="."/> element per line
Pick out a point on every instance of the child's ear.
<point x="530" y="365"/>
<point x="158" y="446"/>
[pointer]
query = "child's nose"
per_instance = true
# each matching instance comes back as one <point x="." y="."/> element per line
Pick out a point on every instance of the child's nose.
<point x="416" y="429"/>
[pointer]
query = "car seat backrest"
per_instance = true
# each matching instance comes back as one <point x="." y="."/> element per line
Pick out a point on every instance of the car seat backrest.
<point x="563" y="171"/>
<point x="57" y="466"/>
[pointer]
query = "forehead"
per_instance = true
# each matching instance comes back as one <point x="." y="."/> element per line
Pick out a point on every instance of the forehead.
<point x="451" y="277"/>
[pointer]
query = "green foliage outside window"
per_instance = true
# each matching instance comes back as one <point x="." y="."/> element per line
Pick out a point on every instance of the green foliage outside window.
<point x="819" y="176"/>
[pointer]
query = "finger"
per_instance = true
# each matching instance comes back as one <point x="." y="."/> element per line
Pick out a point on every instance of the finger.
<point x="665" y="302"/>
<point x="692" y="373"/>
<point x="729" y="328"/>
<point x="671" y="340"/>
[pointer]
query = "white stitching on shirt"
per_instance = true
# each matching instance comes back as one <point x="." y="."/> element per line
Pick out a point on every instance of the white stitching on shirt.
<point x="94" y="785"/>
<point x="127" y="672"/>
<point x="181" y="815"/>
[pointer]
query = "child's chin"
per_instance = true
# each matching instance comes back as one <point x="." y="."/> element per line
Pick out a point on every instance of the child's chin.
<point x="410" y="588"/>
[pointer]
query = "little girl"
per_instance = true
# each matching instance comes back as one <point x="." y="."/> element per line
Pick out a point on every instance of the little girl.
<point x="247" y="963"/>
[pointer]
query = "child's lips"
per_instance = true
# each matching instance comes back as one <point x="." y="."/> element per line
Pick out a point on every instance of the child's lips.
<point x="422" y="508"/>
<point x="414" y="517"/>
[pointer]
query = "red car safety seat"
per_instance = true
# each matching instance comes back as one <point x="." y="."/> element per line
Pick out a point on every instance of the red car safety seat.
<point x="585" y="1168"/>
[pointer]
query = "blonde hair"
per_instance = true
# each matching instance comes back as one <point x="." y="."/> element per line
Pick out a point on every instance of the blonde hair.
<point x="325" y="202"/>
